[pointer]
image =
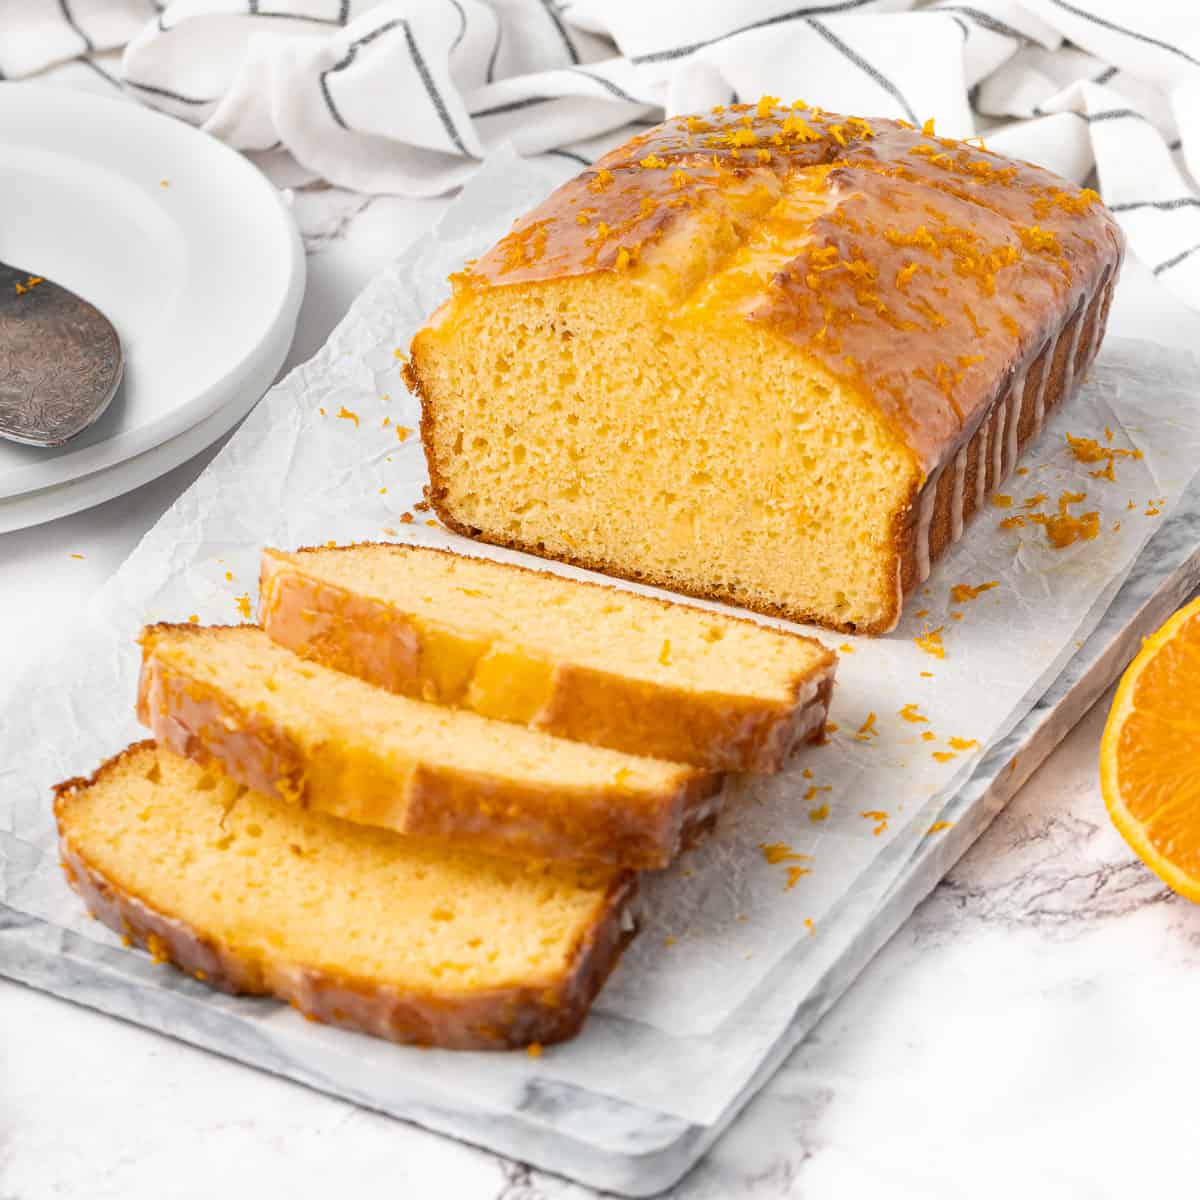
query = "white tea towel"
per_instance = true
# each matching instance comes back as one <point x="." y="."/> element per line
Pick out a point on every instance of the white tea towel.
<point x="409" y="95"/>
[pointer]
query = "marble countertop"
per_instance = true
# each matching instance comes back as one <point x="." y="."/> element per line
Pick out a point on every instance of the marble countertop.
<point x="1030" y="1029"/>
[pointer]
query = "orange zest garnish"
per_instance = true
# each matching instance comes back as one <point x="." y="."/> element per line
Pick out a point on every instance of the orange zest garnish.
<point x="879" y="817"/>
<point x="931" y="642"/>
<point x="962" y="592"/>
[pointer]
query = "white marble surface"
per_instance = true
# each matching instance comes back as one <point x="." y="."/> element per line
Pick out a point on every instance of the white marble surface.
<point x="1028" y="1029"/>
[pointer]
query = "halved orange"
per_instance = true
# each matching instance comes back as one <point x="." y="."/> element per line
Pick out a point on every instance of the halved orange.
<point x="1150" y="753"/>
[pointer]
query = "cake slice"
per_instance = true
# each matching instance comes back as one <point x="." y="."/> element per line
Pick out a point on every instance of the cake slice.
<point x="303" y="732"/>
<point x="578" y="660"/>
<point x="397" y="937"/>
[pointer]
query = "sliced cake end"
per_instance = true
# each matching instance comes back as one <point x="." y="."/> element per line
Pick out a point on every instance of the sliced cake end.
<point x="354" y="926"/>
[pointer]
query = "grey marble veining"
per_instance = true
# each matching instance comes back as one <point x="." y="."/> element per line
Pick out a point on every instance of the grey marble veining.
<point x="619" y="1147"/>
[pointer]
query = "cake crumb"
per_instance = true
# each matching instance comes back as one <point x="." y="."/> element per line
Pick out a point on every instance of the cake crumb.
<point x="820" y="813"/>
<point x="670" y="941"/>
<point x="1022" y="471"/>
<point x="921" y="612"/>
<point x="76" y="556"/>
<point x="406" y="518"/>
<point x="346" y="415"/>
<point x="956" y="616"/>
<point x="1000" y="500"/>
<point x="809" y="925"/>
<point x="958" y="743"/>
<point x="938" y="826"/>
<point x="383" y="491"/>
<point x="228" y="576"/>
<point x="929" y="736"/>
<point x="794" y="875"/>
<point x="846" y="648"/>
<point x="912" y="712"/>
<point x="926" y="674"/>
<point x="534" y="1049"/>
<point x="432" y="524"/>
<point x="243" y="605"/>
<point x="944" y="755"/>
<point x="193" y="618"/>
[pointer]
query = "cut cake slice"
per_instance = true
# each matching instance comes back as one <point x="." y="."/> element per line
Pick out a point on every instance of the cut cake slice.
<point x="578" y="660"/>
<point x="303" y="732"/>
<point x="396" y="937"/>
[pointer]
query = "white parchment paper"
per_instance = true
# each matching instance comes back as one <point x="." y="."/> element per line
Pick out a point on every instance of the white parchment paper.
<point x="333" y="453"/>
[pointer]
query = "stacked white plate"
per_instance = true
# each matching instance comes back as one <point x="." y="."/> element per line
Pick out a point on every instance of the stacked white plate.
<point x="182" y="244"/>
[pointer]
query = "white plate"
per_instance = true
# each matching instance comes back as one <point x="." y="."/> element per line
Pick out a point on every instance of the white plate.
<point x="202" y="277"/>
<point x="48" y="504"/>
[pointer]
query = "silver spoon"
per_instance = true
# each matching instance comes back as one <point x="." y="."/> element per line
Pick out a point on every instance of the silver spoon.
<point x="60" y="360"/>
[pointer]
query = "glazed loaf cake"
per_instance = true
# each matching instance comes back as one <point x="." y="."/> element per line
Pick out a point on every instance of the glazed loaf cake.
<point x="354" y="926"/>
<point x="301" y="732"/>
<point x="768" y="355"/>
<point x="573" y="659"/>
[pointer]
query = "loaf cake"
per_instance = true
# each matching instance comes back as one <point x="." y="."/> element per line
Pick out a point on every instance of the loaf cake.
<point x="768" y="355"/>
<point x="299" y="731"/>
<point x="574" y="659"/>
<point x="397" y="937"/>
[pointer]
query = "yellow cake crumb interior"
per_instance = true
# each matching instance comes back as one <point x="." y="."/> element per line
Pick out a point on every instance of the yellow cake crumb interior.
<point x="284" y="884"/>
<point x="603" y="628"/>
<point x="638" y="430"/>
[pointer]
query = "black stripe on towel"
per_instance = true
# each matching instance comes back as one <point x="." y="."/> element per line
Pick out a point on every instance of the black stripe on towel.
<point x="1115" y="28"/>
<point x="1161" y="205"/>
<point x="1176" y="260"/>
<point x="552" y="13"/>
<point x="781" y="19"/>
<point x="150" y="89"/>
<point x="462" y="25"/>
<point x="516" y="105"/>
<point x="607" y="84"/>
<point x="984" y="20"/>
<point x="68" y="16"/>
<point x="857" y="59"/>
<point x="587" y="162"/>
<point x="435" y="97"/>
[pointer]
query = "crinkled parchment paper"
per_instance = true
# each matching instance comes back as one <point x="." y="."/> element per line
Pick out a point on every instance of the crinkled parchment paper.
<point x="332" y="453"/>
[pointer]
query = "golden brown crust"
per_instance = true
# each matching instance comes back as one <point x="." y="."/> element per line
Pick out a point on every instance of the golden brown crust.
<point x="383" y="645"/>
<point x="490" y="814"/>
<point x="937" y="275"/>
<point x="541" y="1011"/>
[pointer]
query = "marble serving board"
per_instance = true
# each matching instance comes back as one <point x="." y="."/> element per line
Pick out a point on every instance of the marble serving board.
<point x="607" y="1144"/>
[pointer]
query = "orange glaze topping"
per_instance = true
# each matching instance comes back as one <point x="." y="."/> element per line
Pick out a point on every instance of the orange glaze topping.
<point x="902" y="232"/>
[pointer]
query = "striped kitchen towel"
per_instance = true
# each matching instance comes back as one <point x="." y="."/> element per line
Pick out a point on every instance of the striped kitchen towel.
<point x="409" y="95"/>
